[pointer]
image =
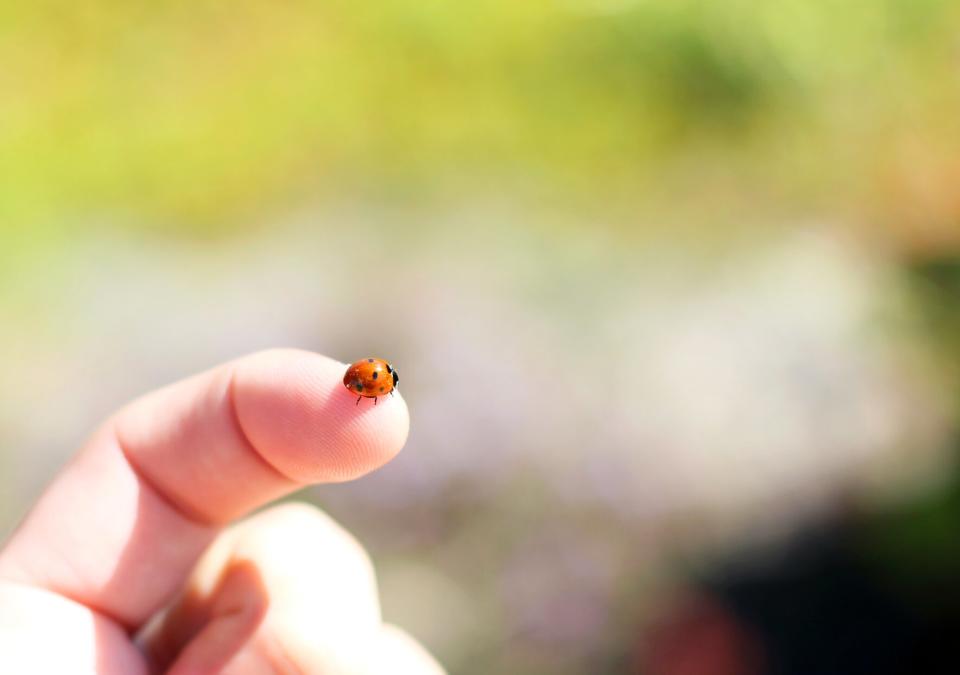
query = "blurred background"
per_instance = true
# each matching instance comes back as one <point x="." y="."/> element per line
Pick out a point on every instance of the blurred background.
<point x="672" y="286"/>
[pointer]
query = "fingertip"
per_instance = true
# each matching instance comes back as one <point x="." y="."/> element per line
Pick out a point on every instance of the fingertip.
<point x="293" y="408"/>
<point x="398" y="652"/>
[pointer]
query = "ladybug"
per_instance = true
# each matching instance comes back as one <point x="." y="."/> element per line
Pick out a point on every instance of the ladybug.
<point x="371" y="378"/>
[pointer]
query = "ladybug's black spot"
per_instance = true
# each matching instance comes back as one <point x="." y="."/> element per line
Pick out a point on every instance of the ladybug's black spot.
<point x="369" y="360"/>
<point x="381" y="388"/>
<point x="359" y="386"/>
<point x="375" y="374"/>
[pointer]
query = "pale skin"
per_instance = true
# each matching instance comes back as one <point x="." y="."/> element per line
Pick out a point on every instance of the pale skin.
<point x="145" y="517"/>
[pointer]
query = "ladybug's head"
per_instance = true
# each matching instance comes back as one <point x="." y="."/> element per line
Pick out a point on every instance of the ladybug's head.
<point x="392" y="371"/>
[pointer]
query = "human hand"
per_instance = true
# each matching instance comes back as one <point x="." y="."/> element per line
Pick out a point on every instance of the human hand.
<point x="122" y="532"/>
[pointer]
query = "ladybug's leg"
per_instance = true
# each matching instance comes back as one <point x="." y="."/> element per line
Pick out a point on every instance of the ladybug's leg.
<point x="358" y="400"/>
<point x="391" y="392"/>
<point x="374" y="400"/>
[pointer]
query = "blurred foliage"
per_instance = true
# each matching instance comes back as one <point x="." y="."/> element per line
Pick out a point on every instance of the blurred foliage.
<point x="205" y="115"/>
<point x="914" y="544"/>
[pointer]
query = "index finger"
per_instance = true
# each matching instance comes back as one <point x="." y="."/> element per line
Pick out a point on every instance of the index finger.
<point x="120" y="528"/>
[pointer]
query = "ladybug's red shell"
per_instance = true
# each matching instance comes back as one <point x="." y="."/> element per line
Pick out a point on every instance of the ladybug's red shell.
<point x="371" y="378"/>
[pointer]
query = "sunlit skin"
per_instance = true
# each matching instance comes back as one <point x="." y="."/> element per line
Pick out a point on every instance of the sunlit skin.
<point x="141" y="519"/>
